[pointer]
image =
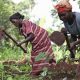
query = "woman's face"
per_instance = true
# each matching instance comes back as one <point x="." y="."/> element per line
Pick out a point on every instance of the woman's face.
<point x="16" y="22"/>
<point x="64" y="16"/>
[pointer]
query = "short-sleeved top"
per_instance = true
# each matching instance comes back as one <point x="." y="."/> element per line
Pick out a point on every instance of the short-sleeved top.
<point x="41" y="35"/>
<point x="75" y="27"/>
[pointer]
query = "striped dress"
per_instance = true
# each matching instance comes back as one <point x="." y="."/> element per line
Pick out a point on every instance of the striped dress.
<point x="41" y="43"/>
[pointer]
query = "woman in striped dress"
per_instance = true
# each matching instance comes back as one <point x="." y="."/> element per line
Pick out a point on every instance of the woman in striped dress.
<point x="39" y="39"/>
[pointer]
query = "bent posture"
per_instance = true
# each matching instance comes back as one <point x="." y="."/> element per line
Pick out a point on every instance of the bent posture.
<point x="39" y="39"/>
<point x="71" y="21"/>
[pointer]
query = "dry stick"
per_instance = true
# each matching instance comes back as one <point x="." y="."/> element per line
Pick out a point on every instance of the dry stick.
<point x="9" y="70"/>
<point x="17" y="72"/>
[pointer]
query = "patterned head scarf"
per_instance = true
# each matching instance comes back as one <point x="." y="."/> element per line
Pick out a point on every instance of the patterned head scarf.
<point x="63" y="6"/>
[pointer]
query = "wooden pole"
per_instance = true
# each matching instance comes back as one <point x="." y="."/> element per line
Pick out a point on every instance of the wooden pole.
<point x="14" y="41"/>
<point x="72" y="55"/>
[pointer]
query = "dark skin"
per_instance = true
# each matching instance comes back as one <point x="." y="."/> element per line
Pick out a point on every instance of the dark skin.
<point x="28" y="37"/>
<point x="69" y="17"/>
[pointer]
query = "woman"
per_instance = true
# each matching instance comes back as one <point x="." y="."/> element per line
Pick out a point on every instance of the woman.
<point x="39" y="39"/>
<point x="71" y="21"/>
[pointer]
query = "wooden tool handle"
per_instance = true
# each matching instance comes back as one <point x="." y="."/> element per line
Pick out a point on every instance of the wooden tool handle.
<point x="72" y="55"/>
<point x="14" y="41"/>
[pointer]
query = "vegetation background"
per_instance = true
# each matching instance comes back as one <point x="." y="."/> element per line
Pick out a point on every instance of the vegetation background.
<point x="9" y="51"/>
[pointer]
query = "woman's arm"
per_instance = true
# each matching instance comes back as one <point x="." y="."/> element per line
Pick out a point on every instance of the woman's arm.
<point x="29" y="37"/>
<point x="77" y="42"/>
<point x="73" y="44"/>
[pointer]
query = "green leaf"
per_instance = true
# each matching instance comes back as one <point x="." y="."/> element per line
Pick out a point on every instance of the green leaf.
<point x="40" y="56"/>
<point x="44" y="73"/>
<point x="1" y="67"/>
<point x="9" y="78"/>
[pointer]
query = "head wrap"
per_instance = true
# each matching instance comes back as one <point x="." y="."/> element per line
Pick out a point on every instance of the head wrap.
<point x="63" y="6"/>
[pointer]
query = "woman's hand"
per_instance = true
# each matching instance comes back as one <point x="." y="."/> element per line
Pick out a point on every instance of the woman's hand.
<point x="72" y="45"/>
<point x="18" y="43"/>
